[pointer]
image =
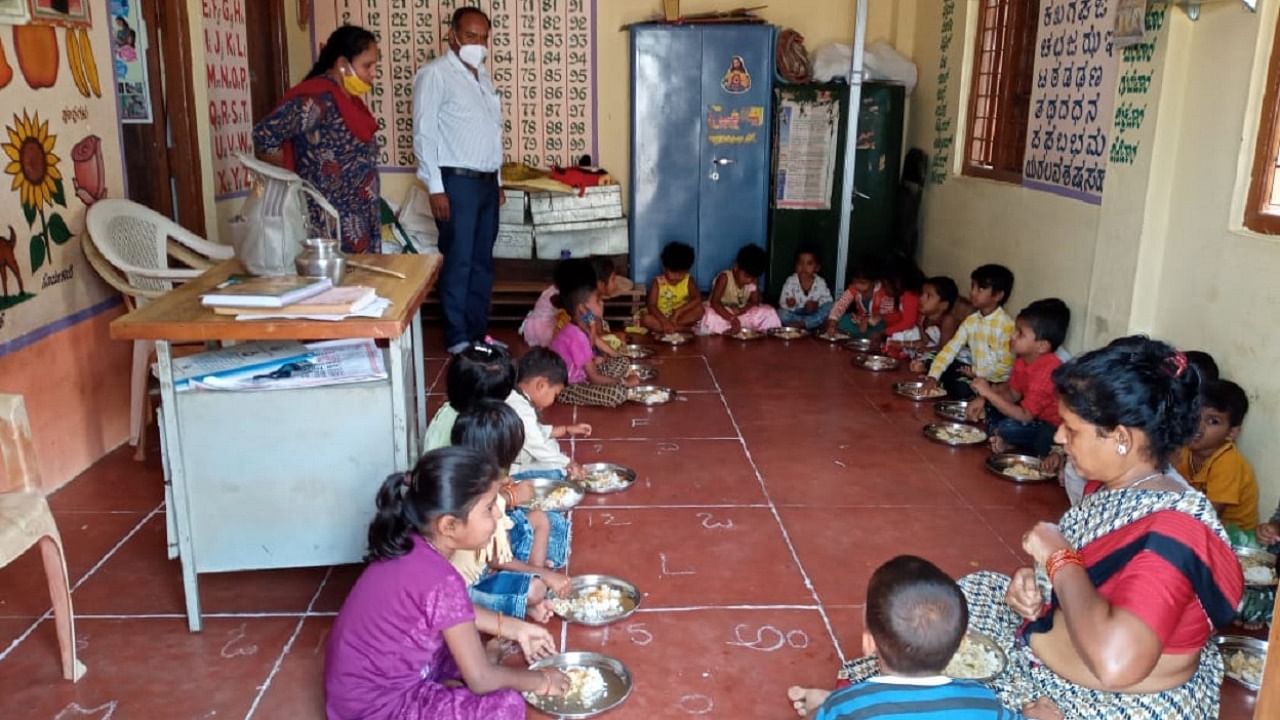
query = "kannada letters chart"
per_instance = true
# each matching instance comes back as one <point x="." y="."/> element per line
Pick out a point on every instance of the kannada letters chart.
<point x="542" y="59"/>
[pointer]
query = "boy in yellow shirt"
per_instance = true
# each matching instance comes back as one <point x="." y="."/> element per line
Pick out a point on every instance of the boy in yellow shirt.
<point x="1213" y="464"/>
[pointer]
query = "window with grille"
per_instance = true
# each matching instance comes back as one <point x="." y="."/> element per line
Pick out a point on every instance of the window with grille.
<point x="1262" y="211"/>
<point x="1003" y="65"/>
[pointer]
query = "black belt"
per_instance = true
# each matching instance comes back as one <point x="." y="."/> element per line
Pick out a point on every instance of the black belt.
<point x="468" y="173"/>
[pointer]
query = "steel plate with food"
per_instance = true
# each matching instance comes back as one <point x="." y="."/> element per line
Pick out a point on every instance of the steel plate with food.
<point x="1259" y="566"/>
<point x="788" y="333"/>
<point x="675" y="338"/>
<point x="605" y="478"/>
<point x="1017" y="468"/>
<point x="597" y="684"/>
<point x="642" y="372"/>
<point x="745" y="334"/>
<point x="979" y="658"/>
<point x="833" y="337"/>
<point x="650" y="394"/>
<point x="951" y="409"/>
<point x="874" y="363"/>
<point x="918" y="391"/>
<point x="597" y="600"/>
<point x="553" y="494"/>
<point x="636" y="352"/>
<point x="1244" y="658"/>
<point x="955" y="433"/>
<point x="858" y="345"/>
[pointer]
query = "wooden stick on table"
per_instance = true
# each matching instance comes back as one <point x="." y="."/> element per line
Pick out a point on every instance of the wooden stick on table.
<point x="376" y="269"/>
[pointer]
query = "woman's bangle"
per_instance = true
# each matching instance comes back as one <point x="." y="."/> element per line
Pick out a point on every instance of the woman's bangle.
<point x="499" y="624"/>
<point x="1060" y="559"/>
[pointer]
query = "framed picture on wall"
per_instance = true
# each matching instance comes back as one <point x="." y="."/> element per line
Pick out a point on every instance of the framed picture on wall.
<point x="14" y="12"/>
<point x="71" y="13"/>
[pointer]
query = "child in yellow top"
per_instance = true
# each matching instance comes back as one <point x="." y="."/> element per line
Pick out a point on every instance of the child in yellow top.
<point x="674" y="303"/>
<point x="1214" y="465"/>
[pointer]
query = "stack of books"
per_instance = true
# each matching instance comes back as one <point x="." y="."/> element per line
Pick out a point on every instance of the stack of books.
<point x="294" y="298"/>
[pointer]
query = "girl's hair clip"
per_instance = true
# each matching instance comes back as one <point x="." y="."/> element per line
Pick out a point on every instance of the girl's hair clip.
<point x="1179" y="362"/>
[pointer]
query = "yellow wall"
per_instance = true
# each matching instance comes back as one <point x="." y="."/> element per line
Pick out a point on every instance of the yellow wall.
<point x="1165" y="253"/>
<point x="820" y="21"/>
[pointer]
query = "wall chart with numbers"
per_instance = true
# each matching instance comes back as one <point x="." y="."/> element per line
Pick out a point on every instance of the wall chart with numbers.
<point x="542" y="59"/>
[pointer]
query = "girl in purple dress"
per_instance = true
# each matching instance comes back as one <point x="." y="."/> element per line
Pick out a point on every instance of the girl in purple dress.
<point x="406" y="644"/>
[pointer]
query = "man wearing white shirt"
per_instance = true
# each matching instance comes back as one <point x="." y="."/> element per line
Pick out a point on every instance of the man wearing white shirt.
<point x="457" y="137"/>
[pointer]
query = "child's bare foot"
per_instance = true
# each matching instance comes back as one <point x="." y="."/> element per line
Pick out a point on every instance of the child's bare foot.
<point x="540" y="611"/>
<point x="806" y="700"/>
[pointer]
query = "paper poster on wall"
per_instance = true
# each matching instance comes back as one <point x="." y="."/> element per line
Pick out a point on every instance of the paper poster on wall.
<point x="542" y="59"/>
<point x="806" y="152"/>
<point x="230" y="104"/>
<point x="129" y="60"/>
<point x="14" y="12"/>
<point x="1130" y="22"/>
<point x="1072" y="96"/>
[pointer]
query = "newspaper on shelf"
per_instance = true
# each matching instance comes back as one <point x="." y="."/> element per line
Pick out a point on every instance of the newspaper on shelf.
<point x="333" y="362"/>
<point x="373" y="309"/>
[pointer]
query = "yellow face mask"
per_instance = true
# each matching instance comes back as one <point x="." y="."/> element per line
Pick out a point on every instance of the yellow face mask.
<point x="353" y="83"/>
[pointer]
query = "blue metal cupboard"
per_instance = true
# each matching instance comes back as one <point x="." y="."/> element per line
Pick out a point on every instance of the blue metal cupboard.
<point x="701" y="127"/>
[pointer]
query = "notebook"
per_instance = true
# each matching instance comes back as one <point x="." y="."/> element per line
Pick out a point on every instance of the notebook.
<point x="264" y="292"/>
<point x="334" y="301"/>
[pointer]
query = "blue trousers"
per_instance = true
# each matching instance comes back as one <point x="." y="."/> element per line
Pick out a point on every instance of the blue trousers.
<point x="811" y="321"/>
<point x="466" y="241"/>
<point x="1033" y="438"/>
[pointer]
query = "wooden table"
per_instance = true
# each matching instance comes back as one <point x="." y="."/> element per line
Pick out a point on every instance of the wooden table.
<point x="284" y="478"/>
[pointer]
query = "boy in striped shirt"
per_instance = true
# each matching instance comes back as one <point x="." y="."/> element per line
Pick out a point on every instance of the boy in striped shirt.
<point x="985" y="333"/>
<point x="916" y="616"/>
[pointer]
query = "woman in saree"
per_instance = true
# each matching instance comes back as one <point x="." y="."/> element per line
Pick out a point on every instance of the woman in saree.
<point x="1117" y="616"/>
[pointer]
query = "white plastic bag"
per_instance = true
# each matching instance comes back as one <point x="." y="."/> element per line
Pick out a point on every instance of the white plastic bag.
<point x="416" y="219"/>
<point x="267" y="234"/>
<point x="881" y="62"/>
<point x="831" y="61"/>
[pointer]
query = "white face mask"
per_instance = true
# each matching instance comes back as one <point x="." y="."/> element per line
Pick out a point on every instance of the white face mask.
<point x="473" y="55"/>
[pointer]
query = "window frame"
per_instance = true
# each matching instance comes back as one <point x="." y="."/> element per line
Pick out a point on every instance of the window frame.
<point x="1005" y="99"/>
<point x="1260" y="215"/>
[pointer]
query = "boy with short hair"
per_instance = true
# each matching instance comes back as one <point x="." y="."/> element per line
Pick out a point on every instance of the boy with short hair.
<point x="916" y="617"/>
<point x="542" y="374"/>
<point x="1022" y="415"/>
<point x="986" y="334"/>
<point x="1213" y="464"/>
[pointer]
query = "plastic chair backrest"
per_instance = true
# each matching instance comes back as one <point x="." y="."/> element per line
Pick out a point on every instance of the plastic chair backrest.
<point x="17" y="452"/>
<point x="130" y="235"/>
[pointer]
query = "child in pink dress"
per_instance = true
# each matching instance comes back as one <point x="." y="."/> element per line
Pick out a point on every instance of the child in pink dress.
<point x="735" y="299"/>
<point x="406" y="644"/>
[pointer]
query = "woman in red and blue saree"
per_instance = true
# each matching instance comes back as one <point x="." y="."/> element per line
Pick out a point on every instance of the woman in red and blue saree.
<point x="1116" y="618"/>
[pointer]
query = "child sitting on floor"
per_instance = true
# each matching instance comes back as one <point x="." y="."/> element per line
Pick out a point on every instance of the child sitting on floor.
<point x="541" y="376"/>
<point x="547" y="317"/>
<point x="674" y="303"/>
<point x="512" y="576"/>
<point x="902" y="282"/>
<point x="407" y="639"/>
<point x="915" y="619"/>
<point x="481" y="371"/>
<point x="856" y="311"/>
<point x="1022" y="415"/>
<point x="735" y="298"/>
<point x="805" y="300"/>
<point x="1214" y="465"/>
<point x="985" y="334"/>
<point x="592" y="380"/>
<point x="937" y="321"/>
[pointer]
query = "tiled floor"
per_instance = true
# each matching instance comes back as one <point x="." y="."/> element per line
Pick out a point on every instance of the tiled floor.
<point x="766" y="496"/>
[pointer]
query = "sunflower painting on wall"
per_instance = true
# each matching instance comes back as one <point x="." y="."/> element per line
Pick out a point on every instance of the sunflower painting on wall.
<point x="38" y="182"/>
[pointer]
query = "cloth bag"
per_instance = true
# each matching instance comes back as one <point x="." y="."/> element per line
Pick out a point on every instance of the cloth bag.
<point x="267" y="234"/>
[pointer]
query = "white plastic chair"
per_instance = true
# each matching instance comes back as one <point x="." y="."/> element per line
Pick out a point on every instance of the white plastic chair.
<point x="25" y="520"/>
<point x="130" y="246"/>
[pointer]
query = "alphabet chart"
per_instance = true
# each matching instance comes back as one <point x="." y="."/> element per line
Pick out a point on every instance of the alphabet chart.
<point x="541" y="59"/>
<point x="1071" y="99"/>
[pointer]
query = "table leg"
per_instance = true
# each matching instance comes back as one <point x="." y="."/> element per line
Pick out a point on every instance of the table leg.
<point x="399" y="404"/>
<point x="419" y="350"/>
<point x="181" y="508"/>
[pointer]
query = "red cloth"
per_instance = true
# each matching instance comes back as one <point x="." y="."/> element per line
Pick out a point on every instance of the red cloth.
<point x="1155" y="584"/>
<point x="581" y="178"/>
<point x="904" y="315"/>
<point x="1034" y="382"/>
<point x="362" y="124"/>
